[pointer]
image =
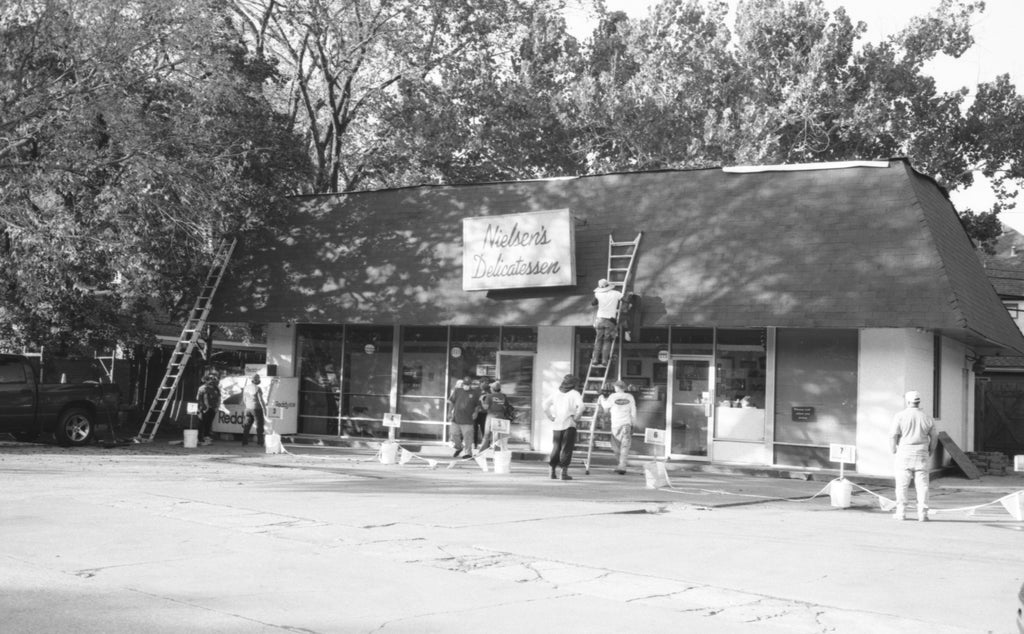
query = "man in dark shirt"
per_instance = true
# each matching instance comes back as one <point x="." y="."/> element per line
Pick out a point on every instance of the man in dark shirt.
<point x="463" y="404"/>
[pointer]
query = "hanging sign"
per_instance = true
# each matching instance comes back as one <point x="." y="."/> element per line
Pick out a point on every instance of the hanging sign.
<point x="528" y="250"/>
<point x="803" y="414"/>
<point x="392" y="420"/>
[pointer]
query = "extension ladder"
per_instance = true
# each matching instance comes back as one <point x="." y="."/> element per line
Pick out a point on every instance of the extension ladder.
<point x="186" y="342"/>
<point x="621" y="259"/>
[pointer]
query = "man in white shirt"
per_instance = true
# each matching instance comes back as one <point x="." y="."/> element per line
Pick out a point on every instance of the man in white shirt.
<point x="606" y="298"/>
<point x="913" y="441"/>
<point x="622" y="407"/>
<point x="563" y="409"/>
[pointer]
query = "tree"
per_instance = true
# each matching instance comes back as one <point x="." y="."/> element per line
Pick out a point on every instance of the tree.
<point x="792" y="84"/>
<point x="364" y="72"/>
<point x="133" y="133"/>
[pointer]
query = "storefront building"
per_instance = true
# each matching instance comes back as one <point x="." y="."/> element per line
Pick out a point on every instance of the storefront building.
<point x="817" y="295"/>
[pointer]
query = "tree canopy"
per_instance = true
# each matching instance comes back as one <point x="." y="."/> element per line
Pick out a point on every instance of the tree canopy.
<point x="134" y="132"/>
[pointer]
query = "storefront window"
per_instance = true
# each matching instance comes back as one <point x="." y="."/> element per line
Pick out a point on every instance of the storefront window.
<point x="518" y="339"/>
<point x="473" y="352"/>
<point x="815" y="394"/>
<point x="646" y="378"/>
<point x="366" y="379"/>
<point x="319" y="378"/>
<point x="421" y="392"/>
<point x="693" y="340"/>
<point x="741" y="364"/>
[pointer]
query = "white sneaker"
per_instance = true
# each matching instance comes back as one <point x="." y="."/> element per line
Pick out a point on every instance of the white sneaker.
<point x="207" y="441"/>
<point x="899" y="517"/>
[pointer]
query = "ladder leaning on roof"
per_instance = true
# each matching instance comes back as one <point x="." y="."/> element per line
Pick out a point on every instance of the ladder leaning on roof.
<point x="621" y="258"/>
<point x="187" y="341"/>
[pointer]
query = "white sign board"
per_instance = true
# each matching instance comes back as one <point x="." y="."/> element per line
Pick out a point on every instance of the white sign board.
<point x="654" y="436"/>
<point x="191" y="408"/>
<point x="528" y="250"/>
<point x="392" y="420"/>
<point x="500" y="425"/>
<point x="842" y="453"/>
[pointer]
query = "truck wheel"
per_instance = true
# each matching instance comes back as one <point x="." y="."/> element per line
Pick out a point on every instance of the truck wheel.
<point x="75" y="428"/>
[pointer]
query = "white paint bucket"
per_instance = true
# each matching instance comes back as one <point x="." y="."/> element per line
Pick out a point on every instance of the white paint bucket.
<point x="272" y="443"/>
<point x="502" y="461"/>
<point x="191" y="438"/>
<point x="840" y="491"/>
<point x="389" y="452"/>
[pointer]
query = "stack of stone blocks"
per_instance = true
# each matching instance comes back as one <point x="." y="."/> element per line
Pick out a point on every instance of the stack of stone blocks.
<point x="991" y="462"/>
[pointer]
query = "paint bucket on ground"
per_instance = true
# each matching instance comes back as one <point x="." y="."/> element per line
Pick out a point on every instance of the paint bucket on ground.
<point x="191" y="439"/>
<point x="272" y="442"/>
<point x="502" y="461"/>
<point x="389" y="452"/>
<point x="840" y="491"/>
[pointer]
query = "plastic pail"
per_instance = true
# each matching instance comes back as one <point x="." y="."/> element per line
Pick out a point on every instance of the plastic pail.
<point x="191" y="440"/>
<point x="840" y="491"/>
<point x="502" y="461"/>
<point x="389" y="452"/>
<point x="272" y="442"/>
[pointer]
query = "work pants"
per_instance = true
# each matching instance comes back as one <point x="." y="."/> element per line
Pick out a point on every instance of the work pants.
<point x="206" y="423"/>
<point x="911" y="464"/>
<point x="606" y="329"/>
<point x="253" y="416"/>
<point x="563" y="441"/>
<point x="462" y="438"/>
<point x="622" y="440"/>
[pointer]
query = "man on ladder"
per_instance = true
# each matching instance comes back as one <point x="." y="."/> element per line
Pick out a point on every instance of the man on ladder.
<point x="606" y="298"/>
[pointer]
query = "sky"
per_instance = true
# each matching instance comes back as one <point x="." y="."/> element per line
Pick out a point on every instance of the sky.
<point x="998" y="49"/>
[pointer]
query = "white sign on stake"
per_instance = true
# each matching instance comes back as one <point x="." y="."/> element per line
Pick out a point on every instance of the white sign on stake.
<point x="842" y="453"/>
<point x="392" y="420"/>
<point x="654" y="436"/>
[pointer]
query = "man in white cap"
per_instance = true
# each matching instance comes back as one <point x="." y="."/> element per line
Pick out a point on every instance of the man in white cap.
<point x="606" y="298"/>
<point x="913" y="441"/>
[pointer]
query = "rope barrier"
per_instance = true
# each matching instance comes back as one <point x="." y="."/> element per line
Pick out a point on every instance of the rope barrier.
<point x="1013" y="503"/>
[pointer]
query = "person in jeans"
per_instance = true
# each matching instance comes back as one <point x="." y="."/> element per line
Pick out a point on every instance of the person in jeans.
<point x="913" y="441"/>
<point x="563" y="409"/>
<point x="463" y="403"/>
<point x="480" y="417"/>
<point x="606" y="298"/>
<point x="494" y="405"/>
<point x="621" y="407"/>
<point x="255" y="410"/>
<point x="208" y="398"/>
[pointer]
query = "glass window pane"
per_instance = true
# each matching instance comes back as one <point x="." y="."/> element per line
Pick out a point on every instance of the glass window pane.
<point x="519" y="339"/>
<point x="473" y="352"/>
<point x="741" y="360"/>
<point x="816" y="387"/>
<point x="319" y="360"/>
<point x="692" y="340"/>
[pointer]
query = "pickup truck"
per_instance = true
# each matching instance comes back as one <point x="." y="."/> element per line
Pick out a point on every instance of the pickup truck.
<point x="68" y="398"/>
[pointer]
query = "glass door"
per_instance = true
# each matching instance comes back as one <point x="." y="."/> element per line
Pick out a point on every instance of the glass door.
<point x="691" y="405"/>
<point x="515" y="373"/>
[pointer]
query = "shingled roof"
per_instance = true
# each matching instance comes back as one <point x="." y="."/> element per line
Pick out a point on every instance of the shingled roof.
<point x="869" y="245"/>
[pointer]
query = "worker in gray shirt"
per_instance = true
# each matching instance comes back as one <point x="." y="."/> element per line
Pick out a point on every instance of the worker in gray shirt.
<point x="913" y="441"/>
